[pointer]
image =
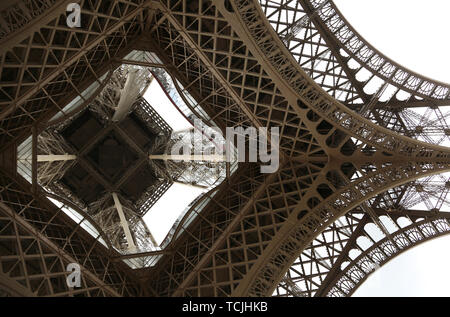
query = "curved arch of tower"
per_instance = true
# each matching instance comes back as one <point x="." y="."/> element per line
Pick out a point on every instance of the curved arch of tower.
<point x="85" y="154"/>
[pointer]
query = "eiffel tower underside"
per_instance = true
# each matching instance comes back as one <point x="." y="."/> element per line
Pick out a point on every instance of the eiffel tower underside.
<point x="363" y="156"/>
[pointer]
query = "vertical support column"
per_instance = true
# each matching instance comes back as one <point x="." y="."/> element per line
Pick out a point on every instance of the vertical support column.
<point x="123" y="221"/>
<point x="127" y="96"/>
<point x="34" y="171"/>
<point x="55" y="157"/>
<point x="136" y="84"/>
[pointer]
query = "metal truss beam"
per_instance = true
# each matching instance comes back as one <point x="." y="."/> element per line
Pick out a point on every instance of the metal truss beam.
<point x="46" y="240"/>
<point x="244" y="236"/>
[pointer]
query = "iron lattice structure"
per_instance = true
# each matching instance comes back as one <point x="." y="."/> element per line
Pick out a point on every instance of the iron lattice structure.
<point x="361" y="176"/>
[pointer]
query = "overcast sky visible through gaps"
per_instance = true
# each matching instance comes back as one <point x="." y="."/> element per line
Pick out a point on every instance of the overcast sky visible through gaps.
<point x="413" y="33"/>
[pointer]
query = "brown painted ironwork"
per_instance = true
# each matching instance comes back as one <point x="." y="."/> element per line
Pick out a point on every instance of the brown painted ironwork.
<point x="348" y="159"/>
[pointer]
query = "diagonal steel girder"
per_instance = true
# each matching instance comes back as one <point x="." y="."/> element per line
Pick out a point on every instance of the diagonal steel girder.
<point x="202" y="269"/>
<point x="278" y="201"/>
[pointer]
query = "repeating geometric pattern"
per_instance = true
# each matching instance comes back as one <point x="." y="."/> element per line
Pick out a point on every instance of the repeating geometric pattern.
<point x="38" y="241"/>
<point x="287" y="64"/>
